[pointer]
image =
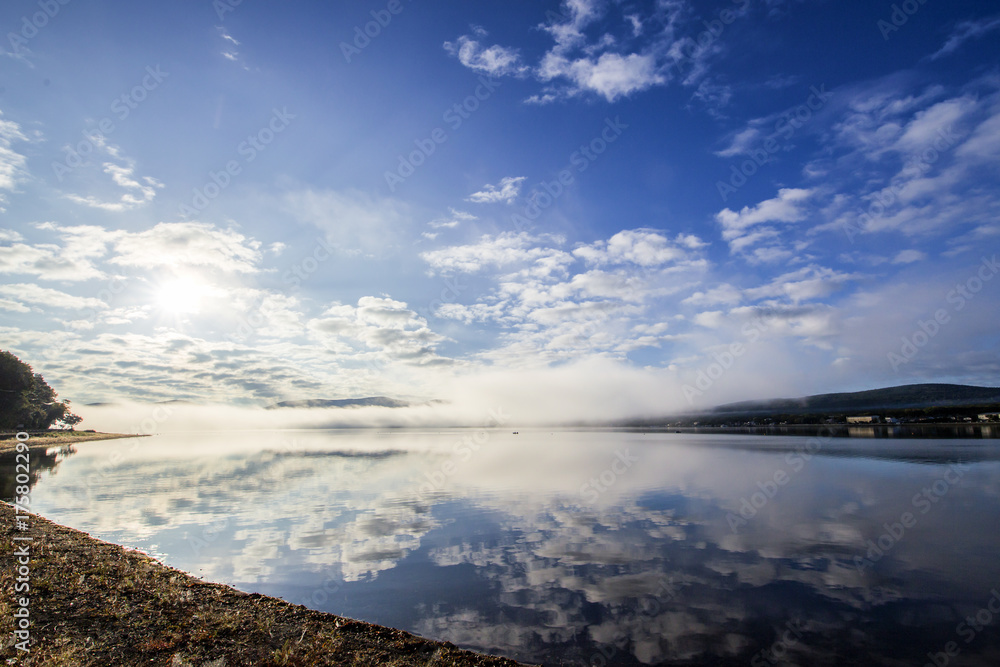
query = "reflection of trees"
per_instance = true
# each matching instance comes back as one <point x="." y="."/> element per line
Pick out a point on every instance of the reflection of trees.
<point x="39" y="459"/>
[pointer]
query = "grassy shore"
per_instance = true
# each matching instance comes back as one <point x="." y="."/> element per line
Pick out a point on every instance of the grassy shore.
<point x="8" y="441"/>
<point x="95" y="603"/>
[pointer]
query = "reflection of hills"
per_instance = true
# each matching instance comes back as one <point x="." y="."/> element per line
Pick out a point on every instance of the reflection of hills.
<point x="885" y="448"/>
<point x="342" y="454"/>
<point x="371" y="401"/>
<point x="40" y="459"/>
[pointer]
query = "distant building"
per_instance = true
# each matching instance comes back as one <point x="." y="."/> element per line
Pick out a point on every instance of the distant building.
<point x="891" y="420"/>
<point x="989" y="417"/>
<point x="864" y="419"/>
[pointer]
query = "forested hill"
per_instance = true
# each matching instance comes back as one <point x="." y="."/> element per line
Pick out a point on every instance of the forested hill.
<point x="888" y="398"/>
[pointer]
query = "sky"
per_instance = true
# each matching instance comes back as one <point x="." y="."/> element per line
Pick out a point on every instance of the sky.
<point x="566" y="210"/>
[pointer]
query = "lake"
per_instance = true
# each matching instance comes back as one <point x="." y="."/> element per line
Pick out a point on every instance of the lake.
<point x="584" y="547"/>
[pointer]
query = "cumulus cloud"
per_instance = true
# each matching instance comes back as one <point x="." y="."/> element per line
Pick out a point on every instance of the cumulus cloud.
<point x="381" y="324"/>
<point x="908" y="159"/>
<point x="490" y="251"/>
<point x="644" y="247"/>
<point x="72" y="259"/>
<point x="805" y="284"/>
<point x="12" y="163"/>
<point x="610" y="75"/>
<point x="786" y="207"/>
<point x="174" y="244"/>
<point x="49" y="298"/>
<point x="604" y="51"/>
<point x="742" y="228"/>
<point x="555" y="305"/>
<point x="724" y="294"/>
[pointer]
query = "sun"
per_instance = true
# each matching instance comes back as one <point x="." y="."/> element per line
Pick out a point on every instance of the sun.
<point x="179" y="296"/>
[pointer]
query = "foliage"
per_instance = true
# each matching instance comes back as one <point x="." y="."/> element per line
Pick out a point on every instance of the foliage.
<point x="27" y="402"/>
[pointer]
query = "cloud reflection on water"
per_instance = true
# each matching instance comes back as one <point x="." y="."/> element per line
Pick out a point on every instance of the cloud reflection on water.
<point x="510" y="555"/>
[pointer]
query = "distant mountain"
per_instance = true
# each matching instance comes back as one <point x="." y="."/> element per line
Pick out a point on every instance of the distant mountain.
<point x="371" y="401"/>
<point x="910" y="396"/>
<point x="912" y="401"/>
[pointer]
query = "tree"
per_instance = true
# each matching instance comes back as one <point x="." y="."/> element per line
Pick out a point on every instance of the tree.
<point x="26" y="400"/>
<point x="69" y="420"/>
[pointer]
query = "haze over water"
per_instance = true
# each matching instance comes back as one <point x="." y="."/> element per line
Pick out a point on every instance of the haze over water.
<point x="577" y="547"/>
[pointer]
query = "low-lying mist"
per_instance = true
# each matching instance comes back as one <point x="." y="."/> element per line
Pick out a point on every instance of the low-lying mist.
<point x="588" y="392"/>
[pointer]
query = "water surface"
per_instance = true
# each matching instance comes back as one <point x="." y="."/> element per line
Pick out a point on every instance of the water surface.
<point x="577" y="547"/>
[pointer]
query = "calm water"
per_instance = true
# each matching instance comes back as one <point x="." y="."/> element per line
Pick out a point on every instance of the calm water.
<point x="578" y="547"/>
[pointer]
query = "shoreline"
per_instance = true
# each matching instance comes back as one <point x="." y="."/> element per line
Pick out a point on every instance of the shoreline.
<point x="92" y="602"/>
<point x="96" y="603"/>
<point x="55" y="438"/>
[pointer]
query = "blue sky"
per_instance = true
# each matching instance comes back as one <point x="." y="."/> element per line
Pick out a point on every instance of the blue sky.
<point x="586" y="208"/>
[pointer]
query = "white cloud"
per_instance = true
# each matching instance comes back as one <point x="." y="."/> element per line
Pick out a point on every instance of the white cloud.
<point x="494" y="60"/>
<point x="911" y="162"/>
<point x="454" y="219"/>
<point x="44" y="296"/>
<point x="788" y="206"/>
<point x="714" y="96"/>
<point x="984" y="143"/>
<point x="174" y="244"/>
<point x="909" y="256"/>
<point x="724" y="294"/>
<point x="73" y="260"/>
<point x="15" y="306"/>
<point x="711" y="319"/>
<point x="230" y="52"/>
<point x="550" y="310"/>
<point x="741" y="142"/>
<point x="353" y="220"/>
<point x="965" y="31"/>
<point x="805" y="284"/>
<point x="506" y="190"/>
<point x="611" y="75"/>
<point x="624" y="58"/>
<point x="930" y="124"/>
<point x="138" y="192"/>
<point x="491" y="251"/>
<point x="644" y="247"/>
<point x="11" y="162"/>
<point x="275" y="315"/>
<point x="381" y="324"/>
